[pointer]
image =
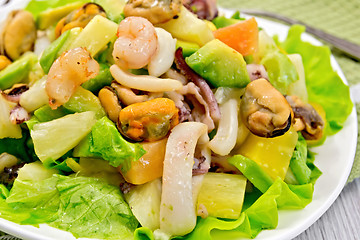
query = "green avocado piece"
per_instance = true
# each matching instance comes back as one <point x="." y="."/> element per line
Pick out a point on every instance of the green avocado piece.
<point x="50" y="53"/>
<point x="101" y="80"/>
<point x="187" y="47"/>
<point x="45" y="113"/>
<point x="113" y="9"/>
<point x="57" y="47"/>
<point x="74" y="33"/>
<point x="49" y="17"/>
<point x="220" y="65"/>
<point x="18" y="71"/>
<point x="280" y="69"/>
<point x="221" y="21"/>
<point x="82" y="101"/>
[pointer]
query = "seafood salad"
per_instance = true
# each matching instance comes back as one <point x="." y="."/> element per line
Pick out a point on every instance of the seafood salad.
<point x="158" y="119"/>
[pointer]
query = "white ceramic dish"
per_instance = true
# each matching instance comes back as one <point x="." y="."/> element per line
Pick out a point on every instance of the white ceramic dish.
<point x="335" y="159"/>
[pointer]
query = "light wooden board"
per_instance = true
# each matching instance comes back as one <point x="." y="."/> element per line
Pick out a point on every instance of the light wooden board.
<point x="341" y="221"/>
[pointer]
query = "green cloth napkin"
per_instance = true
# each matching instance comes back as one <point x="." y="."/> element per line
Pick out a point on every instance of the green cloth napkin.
<point x="340" y="17"/>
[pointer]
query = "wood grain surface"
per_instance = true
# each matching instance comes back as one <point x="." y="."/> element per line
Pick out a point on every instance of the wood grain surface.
<point x="341" y="221"/>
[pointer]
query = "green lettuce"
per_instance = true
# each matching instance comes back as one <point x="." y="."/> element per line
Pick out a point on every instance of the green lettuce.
<point x="298" y="161"/>
<point x="302" y="168"/>
<point x="143" y="233"/>
<point x="91" y="208"/>
<point x="21" y="148"/>
<point x="324" y="85"/>
<point x="263" y="214"/>
<point x="39" y="199"/>
<point x="315" y="172"/>
<point x="106" y="142"/>
<point x="259" y="211"/>
<point x="86" y="207"/>
<point x="4" y="192"/>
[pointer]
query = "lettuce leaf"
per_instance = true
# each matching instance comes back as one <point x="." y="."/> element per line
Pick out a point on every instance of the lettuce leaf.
<point x="143" y="233"/>
<point x="86" y="207"/>
<point x="324" y="85"/>
<point x="4" y="192"/>
<point x="18" y="147"/>
<point x="263" y="214"/>
<point x="106" y="142"/>
<point x="91" y="208"/>
<point x="315" y="172"/>
<point x="298" y="161"/>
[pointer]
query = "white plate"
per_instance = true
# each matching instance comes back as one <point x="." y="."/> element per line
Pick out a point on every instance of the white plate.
<point x="335" y="159"/>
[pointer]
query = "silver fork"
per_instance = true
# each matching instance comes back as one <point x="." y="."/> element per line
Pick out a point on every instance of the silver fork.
<point x="345" y="46"/>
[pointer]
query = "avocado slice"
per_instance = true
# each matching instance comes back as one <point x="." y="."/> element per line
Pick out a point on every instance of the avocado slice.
<point x="49" y="17"/>
<point x="104" y="78"/>
<point x="45" y="113"/>
<point x="220" y="65"/>
<point x="221" y="21"/>
<point x="50" y="53"/>
<point x="18" y="71"/>
<point x="113" y="9"/>
<point x="281" y="70"/>
<point x="74" y="33"/>
<point x="82" y="101"/>
<point x="187" y="47"/>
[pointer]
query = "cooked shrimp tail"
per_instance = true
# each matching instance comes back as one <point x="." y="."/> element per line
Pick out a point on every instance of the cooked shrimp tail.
<point x="68" y="72"/>
<point x="136" y="43"/>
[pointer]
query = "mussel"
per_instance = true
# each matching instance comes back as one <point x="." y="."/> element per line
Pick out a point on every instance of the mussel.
<point x="307" y="119"/>
<point x="4" y="62"/>
<point x="110" y="102"/>
<point x="156" y="11"/>
<point x="204" y="9"/>
<point x="18" y="34"/>
<point x="264" y="110"/>
<point x="148" y="121"/>
<point x="79" y="18"/>
<point x="13" y="94"/>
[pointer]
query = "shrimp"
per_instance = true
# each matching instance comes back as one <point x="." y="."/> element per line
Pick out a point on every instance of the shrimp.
<point x="136" y="43"/>
<point x="67" y="73"/>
